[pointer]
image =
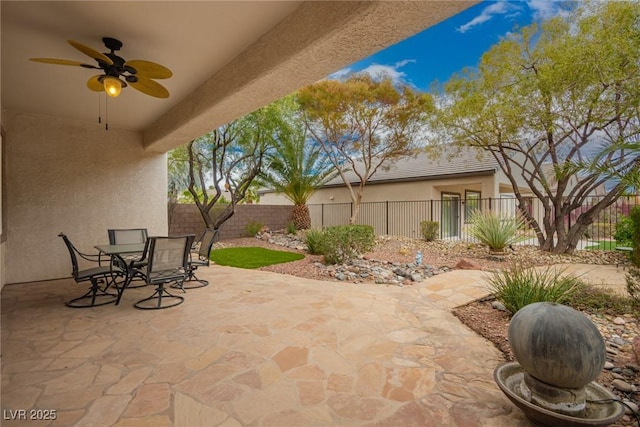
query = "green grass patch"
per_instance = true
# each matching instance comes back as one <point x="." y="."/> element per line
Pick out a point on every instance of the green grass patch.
<point x="604" y="245"/>
<point x="252" y="257"/>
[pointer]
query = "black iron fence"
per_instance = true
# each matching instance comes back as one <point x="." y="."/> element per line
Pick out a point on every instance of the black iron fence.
<point x="403" y="218"/>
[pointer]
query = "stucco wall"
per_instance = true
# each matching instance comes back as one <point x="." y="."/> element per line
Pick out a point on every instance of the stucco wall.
<point x="74" y="177"/>
<point x="2" y="230"/>
<point x="399" y="191"/>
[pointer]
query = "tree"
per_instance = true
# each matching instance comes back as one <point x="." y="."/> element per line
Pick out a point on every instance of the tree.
<point x="295" y="168"/>
<point x="556" y="108"/>
<point x="362" y="125"/>
<point x="630" y="175"/>
<point x="226" y="161"/>
<point x="178" y="178"/>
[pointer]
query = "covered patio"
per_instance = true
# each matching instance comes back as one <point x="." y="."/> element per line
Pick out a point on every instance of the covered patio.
<point x="253" y="349"/>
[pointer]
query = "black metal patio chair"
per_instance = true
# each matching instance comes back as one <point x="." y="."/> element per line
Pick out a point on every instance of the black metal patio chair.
<point x="200" y="258"/>
<point x="126" y="236"/>
<point x="100" y="277"/>
<point x="167" y="259"/>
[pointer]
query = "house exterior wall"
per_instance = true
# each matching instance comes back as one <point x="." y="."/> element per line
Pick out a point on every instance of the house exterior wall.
<point x="73" y="177"/>
<point x="2" y="195"/>
<point x="399" y="191"/>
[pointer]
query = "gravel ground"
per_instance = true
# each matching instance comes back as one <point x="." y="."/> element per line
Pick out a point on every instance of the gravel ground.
<point x="438" y="254"/>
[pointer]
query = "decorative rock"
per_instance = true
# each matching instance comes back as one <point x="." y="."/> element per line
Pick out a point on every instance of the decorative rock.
<point x="464" y="264"/>
<point x="617" y="340"/>
<point x="612" y="351"/>
<point x="635" y="345"/>
<point x="608" y="365"/>
<point x="623" y="386"/>
<point x="630" y="407"/>
<point x="498" y="306"/>
<point x="400" y="272"/>
<point x="627" y="372"/>
<point x="619" y="321"/>
<point x="633" y="367"/>
<point x="379" y="272"/>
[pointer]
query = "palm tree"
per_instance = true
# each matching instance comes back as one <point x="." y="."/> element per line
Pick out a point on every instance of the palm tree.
<point x="297" y="166"/>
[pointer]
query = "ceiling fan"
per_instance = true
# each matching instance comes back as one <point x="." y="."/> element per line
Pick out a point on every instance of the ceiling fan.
<point x="117" y="72"/>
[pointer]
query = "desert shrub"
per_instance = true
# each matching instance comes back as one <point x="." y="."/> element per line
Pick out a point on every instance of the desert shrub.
<point x="252" y="228"/>
<point x="496" y="231"/>
<point x="314" y="239"/>
<point x="595" y="299"/>
<point x="633" y="285"/>
<point x="291" y="227"/>
<point x="429" y="230"/>
<point x="624" y="231"/>
<point x="634" y="216"/>
<point x="520" y="286"/>
<point x="344" y="242"/>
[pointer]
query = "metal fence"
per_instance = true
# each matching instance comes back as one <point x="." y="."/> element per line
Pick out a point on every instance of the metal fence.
<point x="452" y="213"/>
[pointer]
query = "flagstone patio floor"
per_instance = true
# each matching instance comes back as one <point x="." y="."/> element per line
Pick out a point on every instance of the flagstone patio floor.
<point x="252" y="349"/>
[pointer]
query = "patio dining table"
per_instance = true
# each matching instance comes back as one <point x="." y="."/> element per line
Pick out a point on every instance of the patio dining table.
<point x="123" y="254"/>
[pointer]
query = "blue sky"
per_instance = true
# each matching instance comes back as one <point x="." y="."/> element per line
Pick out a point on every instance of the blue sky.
<point x="454" y="44"/>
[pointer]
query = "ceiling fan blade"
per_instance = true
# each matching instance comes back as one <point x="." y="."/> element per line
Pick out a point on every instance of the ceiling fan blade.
<point x="62" y="62"/>
<point x="150" y="87"/>
<point x="94" y="84"/>
<point x="100" y="57"/>
<point x="149" y="69"/>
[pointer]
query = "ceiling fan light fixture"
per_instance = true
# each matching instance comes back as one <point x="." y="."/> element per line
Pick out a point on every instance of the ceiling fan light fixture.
<point x="112" y="86"/>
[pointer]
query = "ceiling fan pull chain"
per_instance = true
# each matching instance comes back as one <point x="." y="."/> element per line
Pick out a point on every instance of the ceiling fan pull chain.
<point x="106" y="113"/>
<point x="99" y="110"/>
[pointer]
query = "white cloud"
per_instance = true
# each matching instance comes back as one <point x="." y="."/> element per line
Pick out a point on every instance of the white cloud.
<point x="545" y="9"/>
<point x="393" y="72"/>
<point x="498" y="8"/>
<point x="340" y="74"/>
<point x="540" y="9"/>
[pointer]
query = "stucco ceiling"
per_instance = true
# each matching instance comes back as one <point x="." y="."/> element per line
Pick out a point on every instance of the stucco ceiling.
<point x="191" y="38"/>
<point x="251" y="51"/>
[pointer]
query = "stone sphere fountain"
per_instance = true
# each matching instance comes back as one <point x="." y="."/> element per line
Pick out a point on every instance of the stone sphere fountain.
<point x="559" y="354"/>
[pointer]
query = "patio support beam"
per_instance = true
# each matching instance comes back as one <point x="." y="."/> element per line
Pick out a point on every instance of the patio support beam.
<point x="317" y="39"/>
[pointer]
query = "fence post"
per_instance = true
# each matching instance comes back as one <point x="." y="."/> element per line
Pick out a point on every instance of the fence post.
<point x="387" y="214"/>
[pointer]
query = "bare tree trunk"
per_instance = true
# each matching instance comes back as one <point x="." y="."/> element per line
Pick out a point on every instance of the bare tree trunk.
<point x="356" y="199"/>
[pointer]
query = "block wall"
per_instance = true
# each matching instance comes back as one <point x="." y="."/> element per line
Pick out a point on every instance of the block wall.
<point x="186" y="219"/>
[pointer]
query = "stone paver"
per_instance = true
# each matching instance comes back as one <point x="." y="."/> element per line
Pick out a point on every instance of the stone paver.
<point x="254" y="349"/>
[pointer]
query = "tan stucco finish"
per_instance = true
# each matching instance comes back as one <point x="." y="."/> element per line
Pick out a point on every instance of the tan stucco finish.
<point x="402" y="191"/>
<point x="66" y="176"/>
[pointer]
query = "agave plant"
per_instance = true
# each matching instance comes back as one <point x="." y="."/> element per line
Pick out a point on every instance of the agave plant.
<point x="496" y="231"/>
